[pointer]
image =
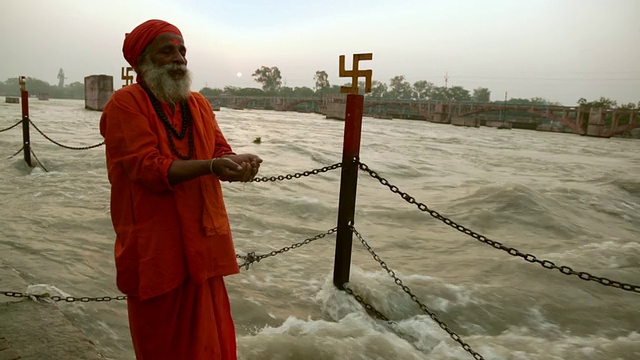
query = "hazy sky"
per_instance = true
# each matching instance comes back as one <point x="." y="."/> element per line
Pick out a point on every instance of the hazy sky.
<point x="559" y="50"/>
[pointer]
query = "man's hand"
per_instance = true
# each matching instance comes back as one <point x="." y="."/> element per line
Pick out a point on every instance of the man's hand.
<point x="241" y="167"/>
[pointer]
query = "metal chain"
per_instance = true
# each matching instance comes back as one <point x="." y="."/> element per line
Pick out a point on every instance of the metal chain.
<point x="370" y="309"/>
<point x="38" y="161"/>
<point x="511" y="251"/>
<point x="415" y="299"/>
<point x="64" y="146"/>
<point x="61" y="298"/>
<point x="12" y="126"/>
<point x="251" y="257"/>
<point x="298" y="175"/>
<point x="17" y="152"/>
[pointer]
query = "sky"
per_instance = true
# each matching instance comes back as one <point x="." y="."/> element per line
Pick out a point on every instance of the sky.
<point x="559" y="50"/>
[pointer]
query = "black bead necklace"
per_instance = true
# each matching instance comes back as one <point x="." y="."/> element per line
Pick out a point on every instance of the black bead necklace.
<point x="187" y="125"/>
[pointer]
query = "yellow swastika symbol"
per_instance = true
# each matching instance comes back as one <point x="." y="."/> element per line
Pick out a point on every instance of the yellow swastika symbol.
<point x="356" y="73"/>
<point x="128" y="79"/>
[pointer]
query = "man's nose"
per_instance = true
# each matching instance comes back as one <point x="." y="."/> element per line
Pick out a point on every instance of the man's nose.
<point x="178" y="58"/>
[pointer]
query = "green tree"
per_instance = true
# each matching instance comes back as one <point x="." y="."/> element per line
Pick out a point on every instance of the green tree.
<point x="231" y="90"/>
<point x="285" y="91"/>
<point x="482" y="94"/>
<point x="236" y="91"/>
<point x="378" y="89"/>
<point x="541" y="101"/>
<point x="207" y="91"/>
<point x="422" y="89"/>
<point x="333" y="89"/>
<point x="440" y="93"/>
<point x="399" y="88"/>
<point x="629" y="106"/>
<point x="269" y="77"/>
<point x="75" y="90"/>
<point x="322" y="80"/>
<point x="603" y="102"/>
<point x="362" y="87"/>
<point x="13" y="84"/>
<point x="35" y="86"/>
<point x="458" y="93"/>
<point x="519" y="101"/>
<point x="303" y="91"/>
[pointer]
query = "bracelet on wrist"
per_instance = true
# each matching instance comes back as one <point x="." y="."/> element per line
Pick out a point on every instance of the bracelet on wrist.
<point x="211" y="166"/>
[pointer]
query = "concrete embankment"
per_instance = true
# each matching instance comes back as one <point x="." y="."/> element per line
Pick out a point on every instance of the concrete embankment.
<point x="31" y="330"/>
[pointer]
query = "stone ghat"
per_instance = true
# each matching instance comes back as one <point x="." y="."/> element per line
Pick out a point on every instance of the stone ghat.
<point x="32" y="330"/>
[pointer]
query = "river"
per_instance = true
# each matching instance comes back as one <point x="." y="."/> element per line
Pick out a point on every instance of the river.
<point x="571" y="200"/>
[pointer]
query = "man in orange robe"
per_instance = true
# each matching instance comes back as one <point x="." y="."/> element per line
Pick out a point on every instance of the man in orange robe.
<point x="165" y="158"/>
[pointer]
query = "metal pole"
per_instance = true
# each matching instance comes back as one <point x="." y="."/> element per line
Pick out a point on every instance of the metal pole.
<point x="505" y="106"/>
<point x="25" y="122"/>
<point x="348" y="185"/>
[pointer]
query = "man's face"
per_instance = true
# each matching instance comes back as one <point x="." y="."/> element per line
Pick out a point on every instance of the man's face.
<point x="168" y="49"/>
<point x="163" y="67"/>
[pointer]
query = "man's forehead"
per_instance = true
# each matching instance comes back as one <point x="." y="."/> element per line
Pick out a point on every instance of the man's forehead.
<point x="167" y="38"/>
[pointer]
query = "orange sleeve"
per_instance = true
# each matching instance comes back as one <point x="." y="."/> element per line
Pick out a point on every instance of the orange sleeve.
<point x="222" y="146"/>
<point x="132" y="143"/>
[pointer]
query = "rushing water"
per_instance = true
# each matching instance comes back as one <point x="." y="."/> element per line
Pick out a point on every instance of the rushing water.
<point x="568" y="199"/>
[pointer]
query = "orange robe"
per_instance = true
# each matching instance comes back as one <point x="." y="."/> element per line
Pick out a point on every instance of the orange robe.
<point x="173" y="242"/>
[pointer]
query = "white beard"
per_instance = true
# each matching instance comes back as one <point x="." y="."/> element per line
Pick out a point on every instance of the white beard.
<point x="163" y="85"/>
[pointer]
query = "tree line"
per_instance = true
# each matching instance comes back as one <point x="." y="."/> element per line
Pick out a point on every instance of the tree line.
<point x="34" y="86"/>
<point x="270" y="79"/>
<point x="398" y="88"/>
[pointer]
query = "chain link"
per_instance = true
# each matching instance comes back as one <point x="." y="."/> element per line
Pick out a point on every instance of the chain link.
<point x="62" y="298"/>
<point x="251" y="257"/>
<point x="64" y="146"/>
<point x="38" y="161"/>
<point x="511" y="251"/>
<point x="415" y="299"/>
<point x="12" y="126"/>
<point x="373" y="311"/>
<point x="17" y="152"/>
<point x="297" y="175"/>
<point x="370" y="309"/>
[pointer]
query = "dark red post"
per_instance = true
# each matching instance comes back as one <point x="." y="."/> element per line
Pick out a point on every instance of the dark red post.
<point x="25" y="122"/>
<point x="348" y="184"/>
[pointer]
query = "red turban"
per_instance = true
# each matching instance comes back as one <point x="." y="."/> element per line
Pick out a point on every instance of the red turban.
<point x="137" y="40"/>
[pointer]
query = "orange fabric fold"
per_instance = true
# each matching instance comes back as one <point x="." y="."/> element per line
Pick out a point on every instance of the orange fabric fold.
<point x="191" y="322"/>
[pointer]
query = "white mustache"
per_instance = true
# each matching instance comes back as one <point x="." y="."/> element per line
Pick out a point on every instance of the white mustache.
<point x="173" y="67"/>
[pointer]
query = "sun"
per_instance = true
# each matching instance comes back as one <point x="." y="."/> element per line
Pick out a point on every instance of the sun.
<point x="239" y="74"/>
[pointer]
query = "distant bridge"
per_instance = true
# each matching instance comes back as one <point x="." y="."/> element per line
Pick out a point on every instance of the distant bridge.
<point x="268" y="103"/>
<point x="577" y="119"/>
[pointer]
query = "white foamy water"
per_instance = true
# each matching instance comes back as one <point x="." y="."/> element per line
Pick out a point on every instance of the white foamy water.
<point x="564" y="198"/>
